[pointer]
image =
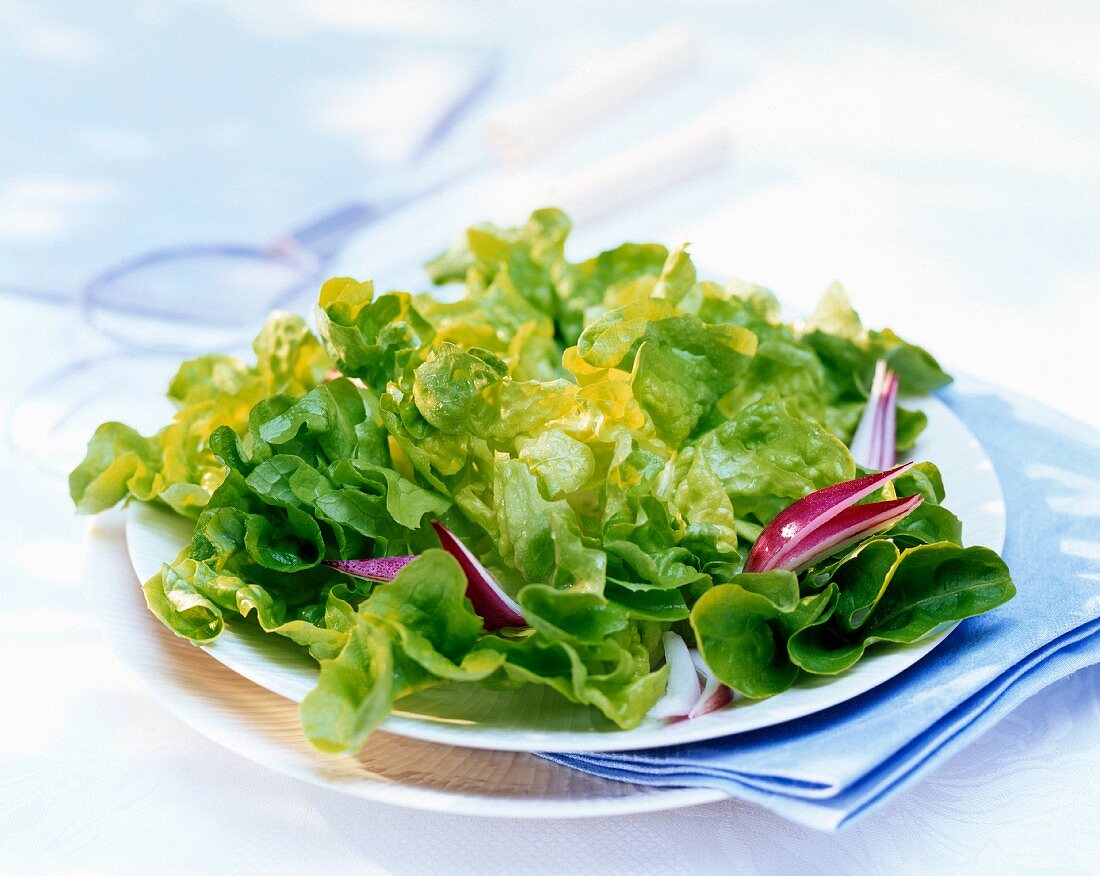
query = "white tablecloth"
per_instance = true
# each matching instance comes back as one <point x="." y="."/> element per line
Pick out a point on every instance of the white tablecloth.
<point x="942" y="162"/>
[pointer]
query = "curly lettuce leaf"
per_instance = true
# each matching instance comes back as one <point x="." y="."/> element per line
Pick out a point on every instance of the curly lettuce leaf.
<point x="767" y="456"/>
<point x="849" y="352"/>
<point x="410" y="633"/>
<point x="368" y="337"/>
<point x="613" y="676"/>
<point x="541" y="539"/>
<point x="177" y="466"/>
<point x="525" y="256"/>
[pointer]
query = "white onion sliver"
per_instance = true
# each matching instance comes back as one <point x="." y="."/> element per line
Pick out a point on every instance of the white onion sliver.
<point x="683" y="680"/>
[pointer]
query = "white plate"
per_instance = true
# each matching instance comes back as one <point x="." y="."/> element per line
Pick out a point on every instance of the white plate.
<point x="263" y="727"/>
<point x="536" y="718"/>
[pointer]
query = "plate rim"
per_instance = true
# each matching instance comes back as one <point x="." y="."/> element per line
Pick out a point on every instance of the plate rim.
<point x="578" y="741"/>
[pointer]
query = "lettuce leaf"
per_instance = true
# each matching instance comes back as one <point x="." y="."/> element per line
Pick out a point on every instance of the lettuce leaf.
<point x="768" y="456"/>
<point x="901" y="601"/>
<point x="743" y="629"/>
<point x="177" y="466"/>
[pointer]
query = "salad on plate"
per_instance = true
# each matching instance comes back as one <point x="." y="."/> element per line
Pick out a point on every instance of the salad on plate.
<point x="641" y="489"/>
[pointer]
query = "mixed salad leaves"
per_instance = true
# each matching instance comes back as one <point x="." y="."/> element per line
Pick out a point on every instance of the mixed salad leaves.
<point x="585" y="475"/>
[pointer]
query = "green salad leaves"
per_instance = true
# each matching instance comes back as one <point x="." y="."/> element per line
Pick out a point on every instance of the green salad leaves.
<point x="608" y="437"/>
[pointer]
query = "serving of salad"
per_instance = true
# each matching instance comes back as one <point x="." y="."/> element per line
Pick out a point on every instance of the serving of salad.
<point x="640" y="489"/>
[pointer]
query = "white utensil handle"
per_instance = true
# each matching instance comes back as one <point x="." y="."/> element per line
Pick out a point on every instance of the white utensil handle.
<point x="603" y="85"/>
<point x="625" y="180"/>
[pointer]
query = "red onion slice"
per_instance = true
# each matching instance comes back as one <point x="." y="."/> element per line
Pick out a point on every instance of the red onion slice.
<point x="781" y="538"/>
<point x="887" y="452"/>
<point x="721" y="698"/>
<point x="496" y="607"/>
<point x="715" y="695"/>
<point x="851" y="525"/>
<point x="377" y="569"/>
<point x="873" y="444"/>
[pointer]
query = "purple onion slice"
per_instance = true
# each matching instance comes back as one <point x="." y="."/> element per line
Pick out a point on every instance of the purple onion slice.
<point x="377" y="569"/>
<point x="850" y="526"/>
<point x="780" y="544"/>
<point x="714" y="696"/>
<point x="496" y="607"/>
